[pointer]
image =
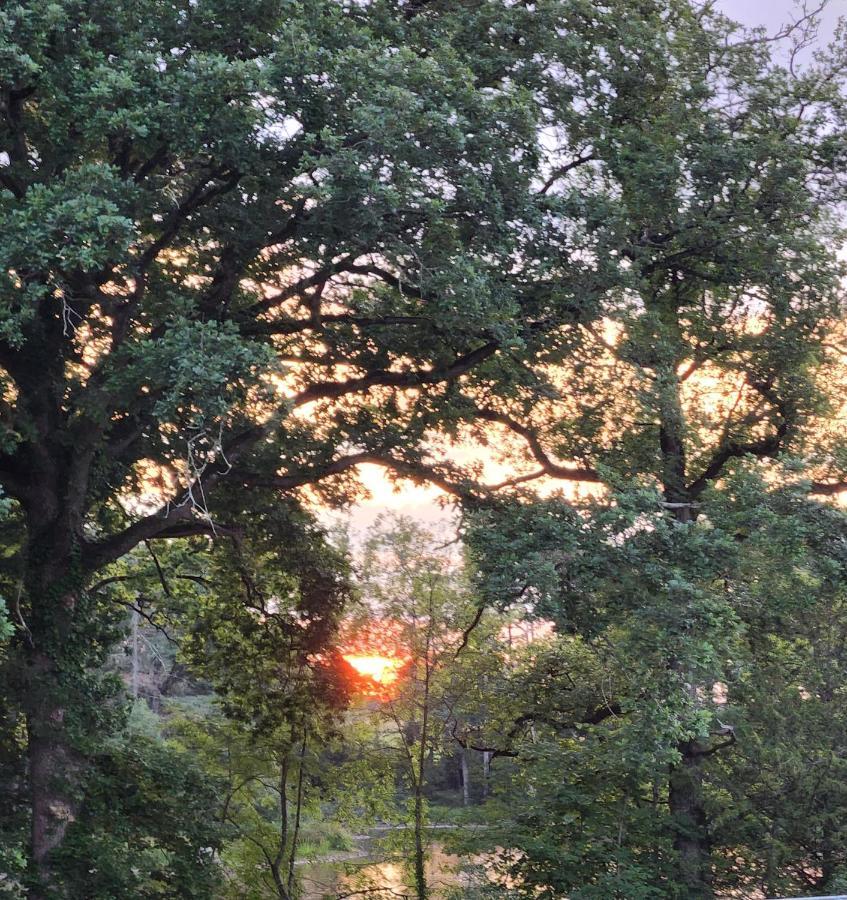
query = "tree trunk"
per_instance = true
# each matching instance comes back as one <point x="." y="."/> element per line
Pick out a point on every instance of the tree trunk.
<point x="691" y="842"/>
<point x="276" y="864"/>
<point x="279" y="883"/>
<point x="421" y="888"/>
<point x="54" y="764"/>
<point x="54" y="769"/>
<point x="134" y="621"/>
<point x="685" y="781"/>
<point x="420" y="855"/>
<point x="486" y="773"/>
<point x="466" y="777"/>
<point x="297" y="811"/>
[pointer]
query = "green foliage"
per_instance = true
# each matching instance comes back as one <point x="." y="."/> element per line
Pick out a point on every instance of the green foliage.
<point x="273" y="799"/>
<point x="13" y="862"/>
<point x="145" y="828"/>
<point x="6" y="627"/>
<point x="787" y="704"/>
<point x="410" y="219"/>
<point x="264" y="626"/>
<point x="750" y="600"/>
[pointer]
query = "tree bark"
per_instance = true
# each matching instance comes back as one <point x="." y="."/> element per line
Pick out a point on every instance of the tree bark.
<point x="466" y="777"/>
<point x="297" y="811"/>
<point x="421" y="887"/>
<point x="54" y="769"/>
<point x="691" y="842"/>
<point x="55" y="766"/>
<point x="420" y="851"/>
<point x="277" y="862"/>
<point x="134" y="634"/>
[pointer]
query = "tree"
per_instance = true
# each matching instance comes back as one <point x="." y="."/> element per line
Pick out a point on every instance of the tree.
<point x="409" y="582"/>
<point x="598" y="720"/>
<point x="216" y="216"/>
<point x="718" y="211"/>
<point x="749" y="598"/>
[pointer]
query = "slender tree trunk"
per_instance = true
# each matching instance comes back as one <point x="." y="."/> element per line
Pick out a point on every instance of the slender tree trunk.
<point x="771" y="871"/>
<point x="421" y="887"/>
<point x="420" y="850"/>
<point x="134" y="632"/>
<point x="486" y="773"/>
<point x="466" y="777"/>
<point x="298" y="809"/>
<point x="277" y="862"/>
<point x="279" y="881"/>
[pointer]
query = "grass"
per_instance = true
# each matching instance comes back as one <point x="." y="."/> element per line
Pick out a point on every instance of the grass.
<point x="323" y="839"/>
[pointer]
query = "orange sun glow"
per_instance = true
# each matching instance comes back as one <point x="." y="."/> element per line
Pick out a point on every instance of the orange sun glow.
<point x="381" y="669"/>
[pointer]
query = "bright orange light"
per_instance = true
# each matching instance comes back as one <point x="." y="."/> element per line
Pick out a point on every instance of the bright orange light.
<point x="381" y="669"/>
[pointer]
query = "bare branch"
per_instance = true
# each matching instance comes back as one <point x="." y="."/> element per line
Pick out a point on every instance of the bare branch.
<point x="561" y="171"/>
<point x="466" y="634"/>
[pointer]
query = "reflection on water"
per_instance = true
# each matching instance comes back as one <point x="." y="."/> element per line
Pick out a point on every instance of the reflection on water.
<point x="381" y="879"/>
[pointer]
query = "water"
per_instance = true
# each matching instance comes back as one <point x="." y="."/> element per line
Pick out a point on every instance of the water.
<point x="383" y="877"/>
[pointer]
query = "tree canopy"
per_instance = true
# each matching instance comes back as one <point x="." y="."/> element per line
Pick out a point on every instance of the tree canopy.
<point x="248" y="247"/>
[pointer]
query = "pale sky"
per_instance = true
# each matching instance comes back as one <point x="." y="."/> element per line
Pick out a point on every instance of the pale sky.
<point x="422" y="502"/>
<point x="773" y="13"/>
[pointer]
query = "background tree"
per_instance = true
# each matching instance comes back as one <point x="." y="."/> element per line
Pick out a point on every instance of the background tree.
<point x="735" y="595"/>
<point x="411" y="582"/>
<point x="786" y="702"/>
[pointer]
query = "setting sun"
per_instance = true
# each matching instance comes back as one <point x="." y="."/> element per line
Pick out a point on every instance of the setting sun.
<point x="381" y="669"/>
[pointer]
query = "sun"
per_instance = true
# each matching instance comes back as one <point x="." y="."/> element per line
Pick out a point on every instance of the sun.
<point x="380" y="669"/>
<point x="376" y="652"/>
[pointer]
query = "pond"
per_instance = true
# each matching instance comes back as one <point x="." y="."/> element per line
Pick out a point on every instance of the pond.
<point x="380" y="874"/>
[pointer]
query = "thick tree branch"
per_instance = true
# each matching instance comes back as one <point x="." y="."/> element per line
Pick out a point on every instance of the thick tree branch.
<point x="762" y="448"/>
<point x="297" y="326"/>
<point x="205" y="190"/>
<point x="169" y="522"/>
<point x="333" y="389"/>
<point x="417" y="472"/>
<point x="590" y="717"/>
<point x="548" y="466"/>
<point x="179" y="519"/>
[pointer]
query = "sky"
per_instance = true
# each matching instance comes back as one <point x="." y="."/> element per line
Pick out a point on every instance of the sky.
<point x="422" y="503"/>
<point x="773" y="13"/>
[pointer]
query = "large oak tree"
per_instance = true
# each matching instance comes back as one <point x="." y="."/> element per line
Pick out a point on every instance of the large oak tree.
<point x="256" y="242"/>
